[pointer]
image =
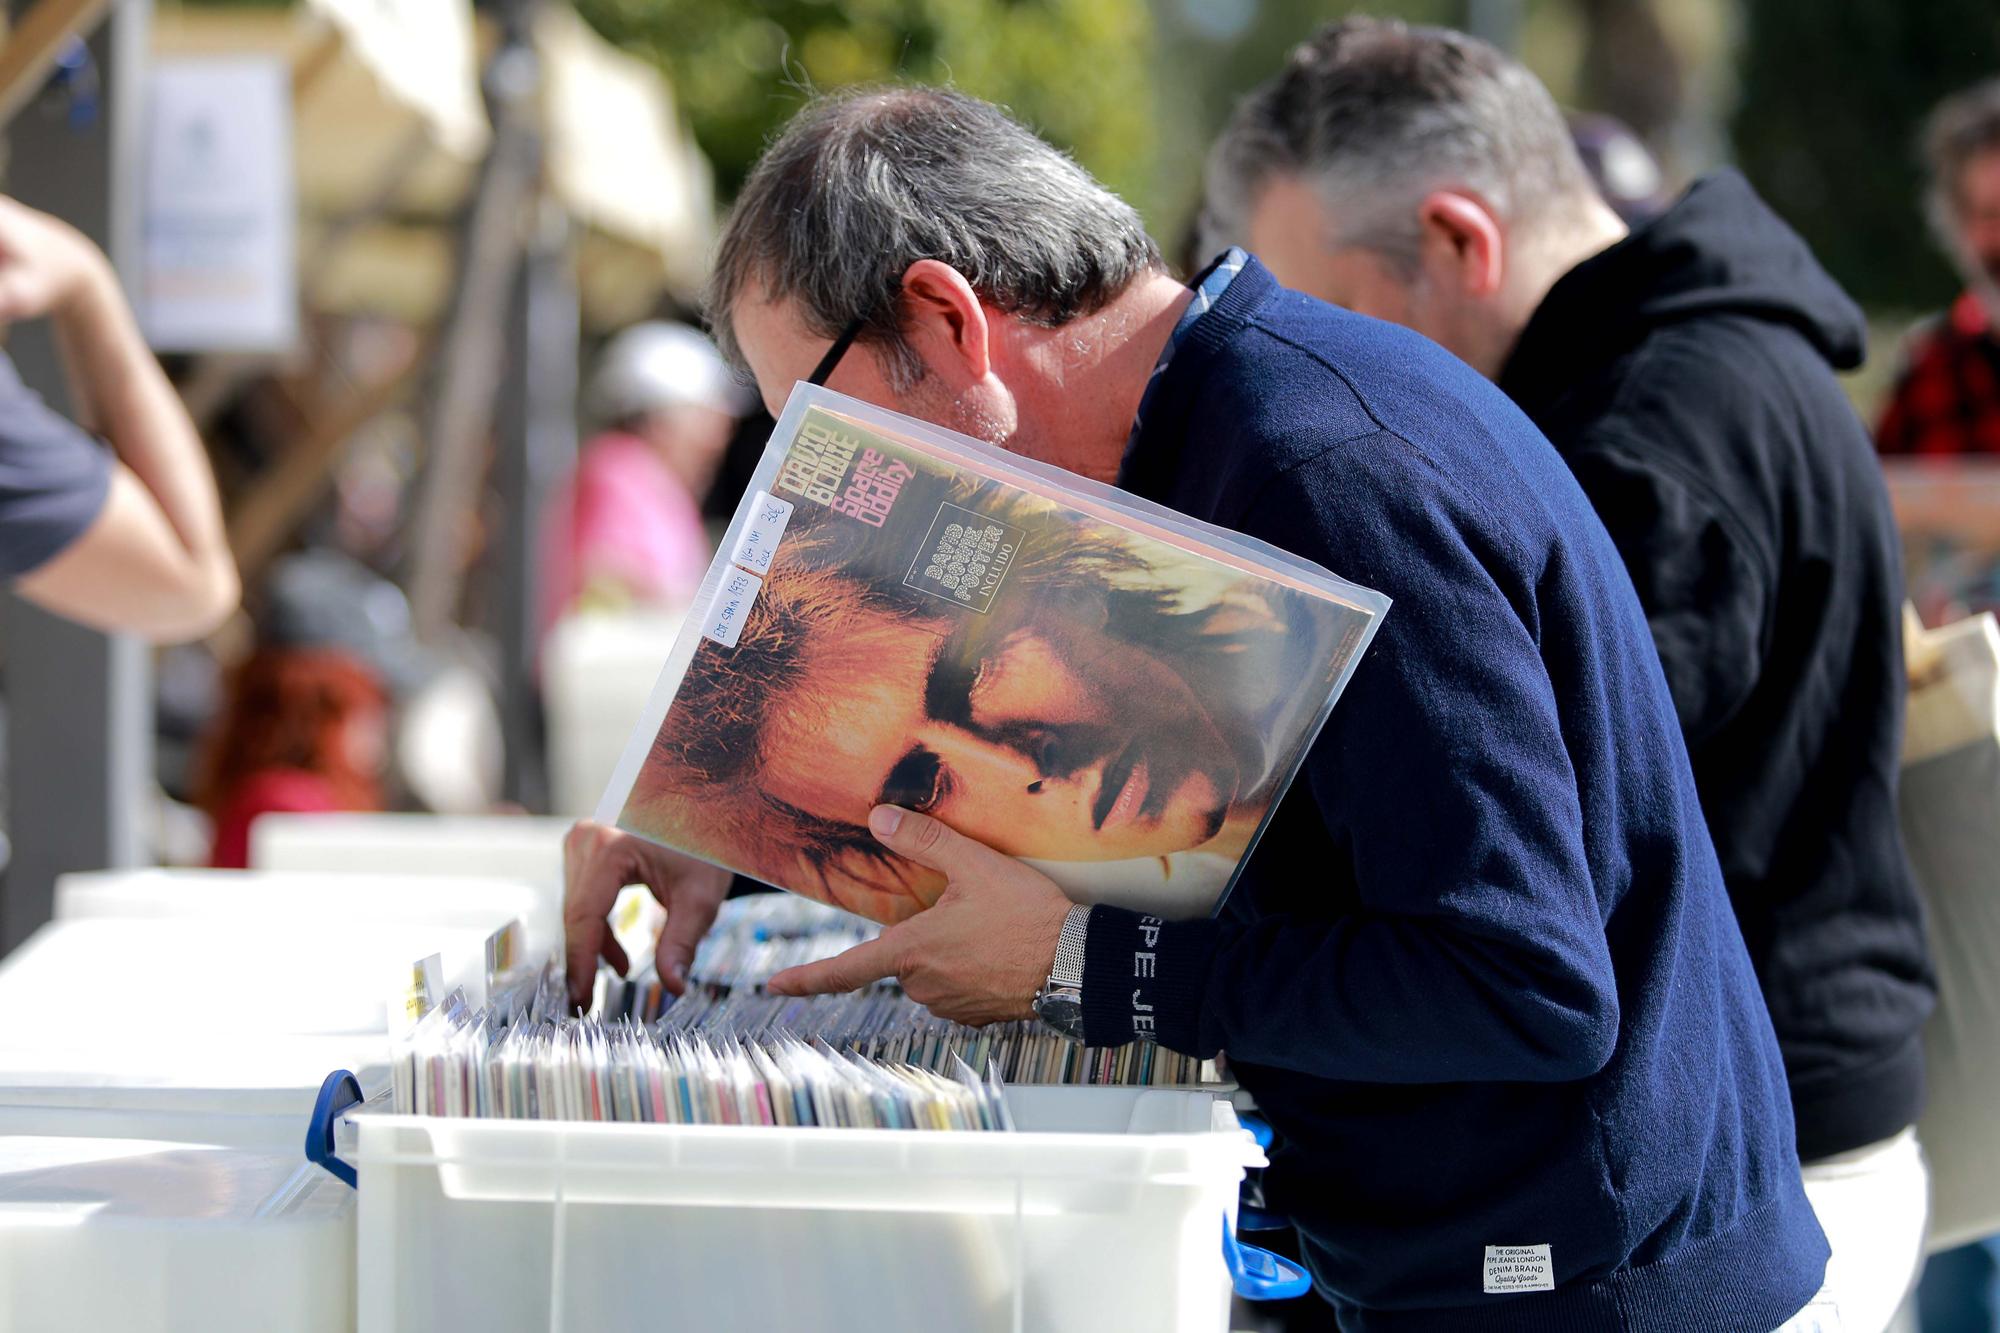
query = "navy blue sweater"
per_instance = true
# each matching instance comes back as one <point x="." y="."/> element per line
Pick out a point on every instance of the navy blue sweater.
<point x="1481" y="973"/>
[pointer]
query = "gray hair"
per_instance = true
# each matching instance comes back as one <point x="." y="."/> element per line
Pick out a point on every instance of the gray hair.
<point x="1373" y="114"/>
<point x="860" y="186"/>
<point x="1962" y="127"/>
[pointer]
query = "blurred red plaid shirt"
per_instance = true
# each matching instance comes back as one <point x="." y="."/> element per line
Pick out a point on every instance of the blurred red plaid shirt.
<point x="1947" y="400"/>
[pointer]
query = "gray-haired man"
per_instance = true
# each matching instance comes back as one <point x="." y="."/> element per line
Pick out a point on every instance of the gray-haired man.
<point x="1685" y="373"/>
<point x="1481" y="971"/>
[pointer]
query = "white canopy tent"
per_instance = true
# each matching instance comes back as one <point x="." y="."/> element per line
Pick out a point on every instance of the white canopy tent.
<point x="389" y="129"/>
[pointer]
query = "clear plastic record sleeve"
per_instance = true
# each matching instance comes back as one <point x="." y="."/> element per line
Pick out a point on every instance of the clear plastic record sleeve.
<point x="1114" y="692"/>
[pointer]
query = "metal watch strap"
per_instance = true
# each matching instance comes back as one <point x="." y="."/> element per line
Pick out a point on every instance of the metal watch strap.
<point x="1067" y="974"/>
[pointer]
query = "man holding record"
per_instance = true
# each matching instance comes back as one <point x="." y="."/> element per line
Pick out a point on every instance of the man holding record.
<point x="1481" y="972"/>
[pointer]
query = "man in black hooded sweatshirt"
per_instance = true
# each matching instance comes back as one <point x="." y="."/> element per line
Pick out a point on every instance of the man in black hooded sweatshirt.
<point x="1685" y="370"/>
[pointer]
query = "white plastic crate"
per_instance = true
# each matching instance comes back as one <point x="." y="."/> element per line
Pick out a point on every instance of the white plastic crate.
<point x="295" y="903"/>
<point x="85" y="982"/>
<point x="160" y="1237"/>
<point x="523" y="847"/>
<point x="1106" y="1210"/>
<point x="198" y="1087"/>
<point x="212" y="1030"/>
<point x="598" y="670"/>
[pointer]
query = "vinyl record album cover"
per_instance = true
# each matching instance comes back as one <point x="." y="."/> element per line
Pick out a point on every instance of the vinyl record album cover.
<point x="898" y="614"/>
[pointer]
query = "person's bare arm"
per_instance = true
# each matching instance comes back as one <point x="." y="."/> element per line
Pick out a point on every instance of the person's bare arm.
<point x="156" y="561"/>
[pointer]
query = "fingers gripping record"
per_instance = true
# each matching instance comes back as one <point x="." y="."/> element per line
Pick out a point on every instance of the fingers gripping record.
<point x="598" y="862"/>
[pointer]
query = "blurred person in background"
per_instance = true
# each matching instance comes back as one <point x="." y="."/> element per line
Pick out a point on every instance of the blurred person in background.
<point x="1685" y="369"/>
<point x="304" y="725"/>
<point x="1622" y="168"/>
<point x="1946" y="403"/>
<point x="1947" y="398"/>
<point x="627" y="529"/>
<point x="127" y="540"/>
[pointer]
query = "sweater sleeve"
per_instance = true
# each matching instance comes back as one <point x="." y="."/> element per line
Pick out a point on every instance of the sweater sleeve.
<point x="1705" y="586"/>
<point x="1476" y="949"/>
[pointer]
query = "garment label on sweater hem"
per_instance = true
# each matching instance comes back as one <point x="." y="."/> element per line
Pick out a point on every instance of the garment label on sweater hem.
<point x="1511" y="1268"/>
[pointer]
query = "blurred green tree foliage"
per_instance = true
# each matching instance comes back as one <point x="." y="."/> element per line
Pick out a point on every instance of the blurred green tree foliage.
<point x="1834" y="93"/>
<point x="1079" y="71"/>
<point x="1215" y="51"/>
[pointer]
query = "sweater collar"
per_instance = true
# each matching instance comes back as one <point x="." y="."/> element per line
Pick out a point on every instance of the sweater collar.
<point x="1153" y="454"/>
<point x="1208" y="286"/>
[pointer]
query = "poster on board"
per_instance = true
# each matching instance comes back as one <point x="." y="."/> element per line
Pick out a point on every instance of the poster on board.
<point x="219" y="269"/>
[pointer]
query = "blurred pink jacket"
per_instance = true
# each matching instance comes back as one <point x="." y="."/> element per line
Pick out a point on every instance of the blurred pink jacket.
<point x="626" y="520"/>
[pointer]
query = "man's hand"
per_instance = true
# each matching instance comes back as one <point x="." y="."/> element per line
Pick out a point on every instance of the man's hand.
<point x="978" y="955"/>
<point x="599" y="861"/>
<point x="45" y="264"/>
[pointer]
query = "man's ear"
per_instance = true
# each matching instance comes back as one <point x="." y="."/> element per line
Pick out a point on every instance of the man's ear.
<point x="1462" y="242"/>
<point x="945" y="321"/>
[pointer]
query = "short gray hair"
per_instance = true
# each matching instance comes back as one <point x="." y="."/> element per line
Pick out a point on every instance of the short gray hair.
<point x="1374" y="114"/>
<point x="860" y="186"/>
<point x="1962" y="127"/>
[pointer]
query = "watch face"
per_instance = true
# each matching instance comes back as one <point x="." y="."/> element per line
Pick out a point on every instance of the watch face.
<point x="1061" y="1010"/>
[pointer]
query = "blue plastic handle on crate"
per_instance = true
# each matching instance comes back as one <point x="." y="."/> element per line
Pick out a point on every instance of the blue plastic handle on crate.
<point x="340" y="1091"/>
<point x="1259" y="1275"/>
<point x="1259" y="1127"/>
<point x="1251" y="1217"/>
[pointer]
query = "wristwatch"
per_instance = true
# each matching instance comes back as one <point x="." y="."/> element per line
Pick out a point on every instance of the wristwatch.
<point x="1059" y="1003"/>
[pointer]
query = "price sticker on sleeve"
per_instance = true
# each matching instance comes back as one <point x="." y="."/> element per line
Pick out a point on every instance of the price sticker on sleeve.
<point x="762" y="530"/>
<point x="730" y="607"/>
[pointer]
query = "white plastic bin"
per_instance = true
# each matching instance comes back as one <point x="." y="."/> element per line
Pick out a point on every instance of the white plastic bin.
<point x="1105" y="1212"/>
<point x="294" y="903"/>
<point x="523" y="847"/>
<point x="145" y="1236"/>
<point x="85" y="982"/>
<point x="598" y="670"/>
<point x="192" y="1028"/>
<point x="198" y="1087"/>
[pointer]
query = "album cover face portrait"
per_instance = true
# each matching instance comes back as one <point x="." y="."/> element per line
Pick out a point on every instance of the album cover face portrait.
<point x="1120" y="710"/>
